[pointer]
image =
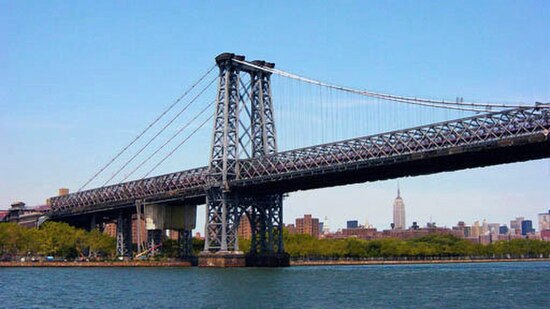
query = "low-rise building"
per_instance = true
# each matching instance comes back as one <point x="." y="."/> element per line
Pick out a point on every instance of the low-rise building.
<point x="360" y="232"/>
<point x="25" y="216"/>
<point x="244" y="231"/>
<point x="415" y="233"/>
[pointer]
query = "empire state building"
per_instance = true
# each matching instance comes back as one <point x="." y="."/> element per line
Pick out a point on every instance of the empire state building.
<point x="399" y="212"/>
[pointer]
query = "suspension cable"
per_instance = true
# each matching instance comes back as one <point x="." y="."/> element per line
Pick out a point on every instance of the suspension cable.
<point x="160" y="131"/>
<point x="146" y="129"/>
<point x="168" y="141"/>
<point x="389" y="97"/>
<point x="178" y="146"/>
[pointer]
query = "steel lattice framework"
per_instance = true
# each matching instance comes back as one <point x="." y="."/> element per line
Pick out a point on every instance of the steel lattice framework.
<point x="497" y="126"/>
<point x="245" y="106"/>
<point x="185" y="183"/>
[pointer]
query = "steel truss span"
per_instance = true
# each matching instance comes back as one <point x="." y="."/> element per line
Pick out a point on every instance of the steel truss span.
<point x="532" y="125"/>
<point x="185" y="183"/>
<point x="461" y="135"/>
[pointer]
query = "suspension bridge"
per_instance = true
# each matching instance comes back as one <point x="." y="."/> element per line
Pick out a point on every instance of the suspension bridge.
<point x="357" y="136"/>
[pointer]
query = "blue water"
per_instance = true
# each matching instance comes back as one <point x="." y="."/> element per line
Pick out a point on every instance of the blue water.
<point x="491" y="285"/>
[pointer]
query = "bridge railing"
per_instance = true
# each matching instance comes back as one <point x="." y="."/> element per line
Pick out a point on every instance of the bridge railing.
<point x="465" y="131"/>
<point x="130" y="191"/>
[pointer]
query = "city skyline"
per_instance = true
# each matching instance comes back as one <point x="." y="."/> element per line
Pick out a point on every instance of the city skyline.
<point x="339" y="221"/>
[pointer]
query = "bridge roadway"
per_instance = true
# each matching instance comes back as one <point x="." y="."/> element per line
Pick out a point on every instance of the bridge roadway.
<point x="495" y="138"/>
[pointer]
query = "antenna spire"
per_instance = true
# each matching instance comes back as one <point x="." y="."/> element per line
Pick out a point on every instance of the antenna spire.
<point x="398" y="190"/>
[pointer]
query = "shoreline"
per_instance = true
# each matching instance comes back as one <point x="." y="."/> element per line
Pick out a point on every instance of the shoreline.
<point x="403" y="262"/>
<point x="292" y="263"/>
<point x="98" y="264"/>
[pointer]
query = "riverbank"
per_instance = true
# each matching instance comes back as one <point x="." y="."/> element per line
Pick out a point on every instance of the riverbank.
<point x="98" y="264"/>
<point x="292" y="263"/>
<point x="397" y="262"/>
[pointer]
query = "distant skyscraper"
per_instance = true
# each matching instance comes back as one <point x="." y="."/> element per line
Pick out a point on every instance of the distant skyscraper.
<point x="476" y="229"/>
<point x="352" y="224"/>
<point x="399" y="212"/>
<point x="484" y="228"/>
<point x="494" y="228"/>
<point x="526" y="227"/>
<point x="326" y="227"/>
<point x="515" y="225"/>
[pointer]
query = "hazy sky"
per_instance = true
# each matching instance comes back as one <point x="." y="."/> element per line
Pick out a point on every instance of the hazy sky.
<point x="78" y="80"/>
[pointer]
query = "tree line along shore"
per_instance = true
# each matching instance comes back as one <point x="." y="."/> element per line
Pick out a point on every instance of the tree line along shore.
<point x="63" y="242"/>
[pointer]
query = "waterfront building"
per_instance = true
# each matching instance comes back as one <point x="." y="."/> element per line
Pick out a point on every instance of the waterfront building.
<point x="476" y="229"/>
<point x="494" y="228"/>
<point x="291" y="228"/>
<point x="515" y="225"/>
<point x="244" y="230"/>
<point x="308" y="225"/>
<point x="485" y="239"/>
<point x="360" y="232"/>
<point x="460" y="227"/>
<point x="467" y="231"/>
<point x="3" y="214"/>
<point x="23" y="215"/>
<point x="503" y="230"/>
<point x="420" y="232"/>
<point x="484" y="228"/>
<point x="527" y="227"/>
<point x="352" y="224"/>
<point x="399" y="222"/>
<point x="110" y="229"/>
<point x="544" y="221"/>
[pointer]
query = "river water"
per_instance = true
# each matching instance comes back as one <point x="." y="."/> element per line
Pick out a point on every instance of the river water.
<point x="479" y="285"/>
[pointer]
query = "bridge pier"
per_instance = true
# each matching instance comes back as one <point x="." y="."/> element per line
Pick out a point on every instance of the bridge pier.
<point x="154" y="241"/>
<point x="185" y="242"/>
<point x="265" y="214"/>
<point x="124" y="236"/>
<point x="221" y="247"/>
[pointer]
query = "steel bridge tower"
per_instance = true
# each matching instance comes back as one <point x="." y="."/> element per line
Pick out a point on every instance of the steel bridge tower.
<point x="244" y="128"/>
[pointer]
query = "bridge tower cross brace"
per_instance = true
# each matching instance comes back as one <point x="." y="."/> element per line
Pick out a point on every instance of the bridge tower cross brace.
<point x="225" y="206"/>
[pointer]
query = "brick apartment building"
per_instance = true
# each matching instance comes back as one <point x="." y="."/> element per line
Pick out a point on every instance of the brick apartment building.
<point x="308" y="225"/>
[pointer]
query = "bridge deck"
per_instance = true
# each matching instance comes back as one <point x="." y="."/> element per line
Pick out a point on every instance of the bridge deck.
<point x="493" y="138"/>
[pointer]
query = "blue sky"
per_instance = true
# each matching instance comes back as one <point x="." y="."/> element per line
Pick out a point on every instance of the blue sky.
<point x="78" y="80"/>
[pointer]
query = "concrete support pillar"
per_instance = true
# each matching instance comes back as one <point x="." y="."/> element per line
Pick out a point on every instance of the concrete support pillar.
<point x="172" y="216"/>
